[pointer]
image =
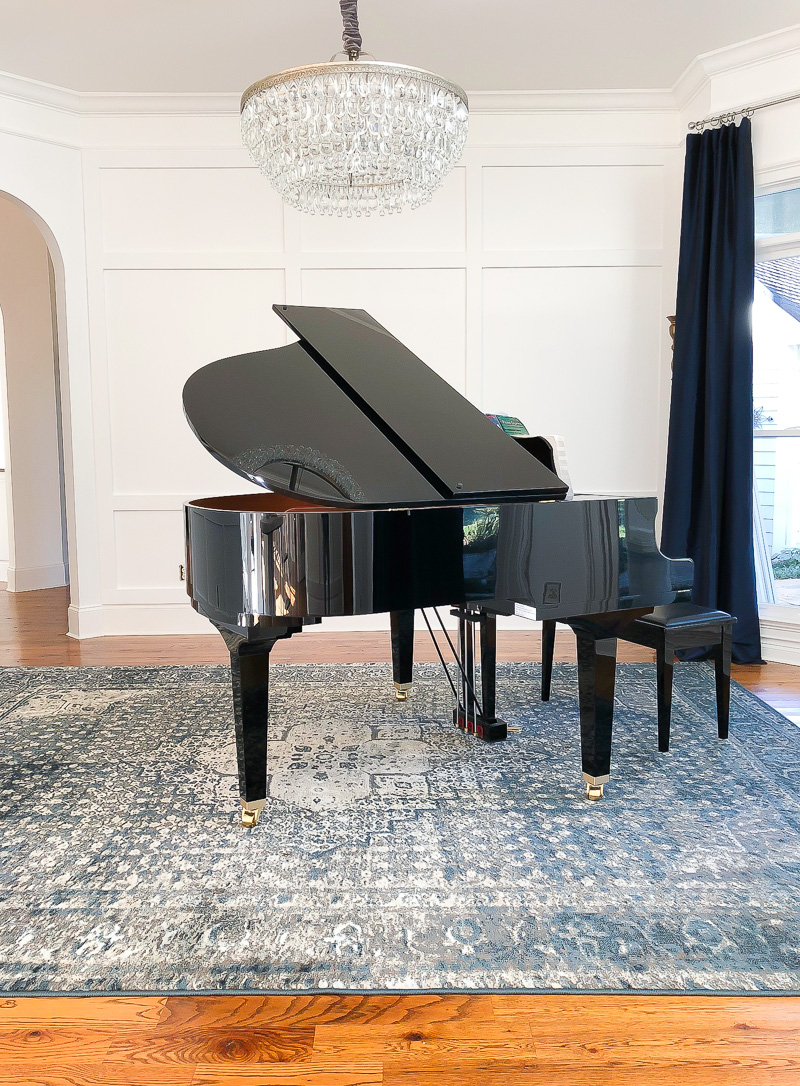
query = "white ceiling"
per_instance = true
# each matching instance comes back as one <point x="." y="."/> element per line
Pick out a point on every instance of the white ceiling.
<point x="214" y="46"/>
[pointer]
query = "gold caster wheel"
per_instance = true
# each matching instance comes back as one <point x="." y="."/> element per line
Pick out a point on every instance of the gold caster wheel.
<point x="401" y="691"/>
<point x="251" y="815"/>
<point x="594" y="791"/>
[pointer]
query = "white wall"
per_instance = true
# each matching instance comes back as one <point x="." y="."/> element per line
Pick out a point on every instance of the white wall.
<point x="538" y="282"/>
<point x="3" y="458"/>
<point x="35" y="555"/>
<point x="40" y="170"/>
<point x="532" y="282"/>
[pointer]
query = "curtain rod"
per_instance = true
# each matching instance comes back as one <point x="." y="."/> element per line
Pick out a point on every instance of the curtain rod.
<point x="729" y="116"/>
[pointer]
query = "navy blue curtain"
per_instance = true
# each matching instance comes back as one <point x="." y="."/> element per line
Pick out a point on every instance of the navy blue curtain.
<point x="708" y="500"/>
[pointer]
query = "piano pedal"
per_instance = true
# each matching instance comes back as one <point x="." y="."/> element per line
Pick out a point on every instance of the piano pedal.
<point x="490" y="731"/>
<point x="251" y="812"/>
<point x="401" y="691"/>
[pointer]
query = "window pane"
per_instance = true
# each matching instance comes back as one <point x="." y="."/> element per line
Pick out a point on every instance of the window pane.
<point x="778" y="213"/>
<point x="776" y="408"/>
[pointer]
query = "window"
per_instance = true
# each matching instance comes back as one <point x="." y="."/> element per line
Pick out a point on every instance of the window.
<point x="776" y="398"/>
<point x="778" y="214"/>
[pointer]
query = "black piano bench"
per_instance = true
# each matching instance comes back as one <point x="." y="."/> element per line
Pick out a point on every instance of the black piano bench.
<point x="681" y="625"/>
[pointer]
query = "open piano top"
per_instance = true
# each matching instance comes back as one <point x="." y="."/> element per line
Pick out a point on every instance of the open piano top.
<point x="349" y="416"/>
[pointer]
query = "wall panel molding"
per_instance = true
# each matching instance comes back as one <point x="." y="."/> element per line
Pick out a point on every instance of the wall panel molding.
<point x="148" y="332"/>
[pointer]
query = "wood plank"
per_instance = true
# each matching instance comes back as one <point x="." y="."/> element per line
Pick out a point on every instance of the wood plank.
<point x="94" y="1074"/>
<point x="54" y="1044"/>
<point x="316" y="1073"/>
<point x="216" y="1045"/>
<point x="87" y="1044"/>
<point x="272" y="1011"/>
<point x="123" y="1012"/>
<point x="482" y="1038"/>
<point x="588" y="1073"/>
<point x="558" y="1015"/>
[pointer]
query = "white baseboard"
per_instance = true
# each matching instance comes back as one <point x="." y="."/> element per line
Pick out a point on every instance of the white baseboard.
<point x="33" y="578"/>
<point x="83" y="622"/>
<point x="4" y="569"/>
<point x="162" y="618"/>
<point x="180" y="619"/>
<point x="780" y="641"/>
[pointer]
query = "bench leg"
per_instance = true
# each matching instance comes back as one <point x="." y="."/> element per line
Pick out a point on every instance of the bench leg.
<point x="665" y="660"/>
<point x="548" y="648"/>
<point x="722" y="671"/>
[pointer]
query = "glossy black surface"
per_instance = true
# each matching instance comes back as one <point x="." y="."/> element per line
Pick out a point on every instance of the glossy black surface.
<point x="250" y="686"/>
<point x="669" y="628"/>
<point x="597" y="662"/>
<point x="402" y="627"/>
<point x="488" y="637"/>
<point x="476" y="708"/>
<point x="563" y="558"/>
<point x="453" y="444"/>
<point x="253" y="569"/>
<point x="684" y="625"/>
<point x="548" y="651"/>
<point x="378" y="457"/>
<point x="277" y="419"/>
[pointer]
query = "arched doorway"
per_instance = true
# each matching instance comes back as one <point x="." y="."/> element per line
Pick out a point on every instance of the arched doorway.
<point x="34" y="476"/>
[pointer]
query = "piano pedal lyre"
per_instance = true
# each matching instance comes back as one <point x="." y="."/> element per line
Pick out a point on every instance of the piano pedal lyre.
<point x="401" y="691"/>
<point x="251" y="812"/>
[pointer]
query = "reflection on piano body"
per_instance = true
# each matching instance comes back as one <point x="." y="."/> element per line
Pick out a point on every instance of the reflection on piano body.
<point x="388" y="492"/>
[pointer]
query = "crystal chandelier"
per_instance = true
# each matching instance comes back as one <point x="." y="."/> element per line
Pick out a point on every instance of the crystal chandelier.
<point x="354" y="135"/>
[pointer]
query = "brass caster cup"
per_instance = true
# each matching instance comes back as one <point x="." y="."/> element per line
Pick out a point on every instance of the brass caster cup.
<point x="401" y="691"/>
<point x="250" y="818"/>
<point x="594" y="791"/>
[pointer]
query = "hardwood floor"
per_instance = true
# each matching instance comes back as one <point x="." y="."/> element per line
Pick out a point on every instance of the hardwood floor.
<point x="33" y="629"/>
<point x="394" y="1040"/>
<point x="389" y="1040"/>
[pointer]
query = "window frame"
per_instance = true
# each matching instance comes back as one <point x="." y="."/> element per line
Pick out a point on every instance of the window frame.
<point x="773" y="248"/>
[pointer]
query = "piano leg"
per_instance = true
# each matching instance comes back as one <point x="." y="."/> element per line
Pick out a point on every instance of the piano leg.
<point x="250" y="682"/>
<point x="596" y="637"/>
<point x="597" y="658"/>
<point x="402" y="652"/>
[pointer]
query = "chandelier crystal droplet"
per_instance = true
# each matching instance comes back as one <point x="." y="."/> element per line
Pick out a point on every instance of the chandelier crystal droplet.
<point x="355" y="136"/>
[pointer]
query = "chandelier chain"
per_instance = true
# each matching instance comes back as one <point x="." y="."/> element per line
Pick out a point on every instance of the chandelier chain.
<point x="351" y="35"/>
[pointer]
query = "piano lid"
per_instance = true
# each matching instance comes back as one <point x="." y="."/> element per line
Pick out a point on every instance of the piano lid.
<point x="349" y="416"/>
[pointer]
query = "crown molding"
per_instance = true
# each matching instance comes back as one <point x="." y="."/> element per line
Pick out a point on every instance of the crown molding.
<point x="689" y="84"/>
<point x="40" y="94"/>
<point x="697" y="75"/>
<point x="753" y="51"/>
<point x="731" y="58"/>
<point x="187" y="104"/>
<point x="576" y="101"/>
<point x="146" y="105"/>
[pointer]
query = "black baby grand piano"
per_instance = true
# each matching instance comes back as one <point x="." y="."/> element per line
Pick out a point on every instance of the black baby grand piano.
<point x="388" y="491"/>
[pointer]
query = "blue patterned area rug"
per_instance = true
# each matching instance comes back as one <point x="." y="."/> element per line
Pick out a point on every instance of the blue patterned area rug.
<point x="394" y="853"/>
